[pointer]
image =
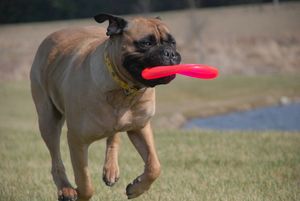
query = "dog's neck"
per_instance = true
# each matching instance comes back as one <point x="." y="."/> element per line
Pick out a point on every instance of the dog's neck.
<point x="112" y="58"/>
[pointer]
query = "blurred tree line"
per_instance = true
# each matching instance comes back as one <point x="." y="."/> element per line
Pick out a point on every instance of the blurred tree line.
<point x="13" y="11"/>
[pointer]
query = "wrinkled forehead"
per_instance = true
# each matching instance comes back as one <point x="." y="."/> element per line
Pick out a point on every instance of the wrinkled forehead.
<point x="139" y="28"/>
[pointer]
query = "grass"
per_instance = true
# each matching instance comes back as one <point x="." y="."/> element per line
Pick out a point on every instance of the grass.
<point x="197" y="165"/>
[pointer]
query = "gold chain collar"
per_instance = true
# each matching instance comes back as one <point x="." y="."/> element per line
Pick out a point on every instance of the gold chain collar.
<point x="124" y="85"/>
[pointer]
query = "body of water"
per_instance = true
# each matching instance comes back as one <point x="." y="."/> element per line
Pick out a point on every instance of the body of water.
<point x="281" y="118"/>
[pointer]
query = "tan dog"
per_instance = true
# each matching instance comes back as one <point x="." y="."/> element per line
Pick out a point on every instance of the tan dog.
<point x="94" y="83"/>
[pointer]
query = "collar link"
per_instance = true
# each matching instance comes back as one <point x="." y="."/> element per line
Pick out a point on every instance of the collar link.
<point x="128" y="90"/>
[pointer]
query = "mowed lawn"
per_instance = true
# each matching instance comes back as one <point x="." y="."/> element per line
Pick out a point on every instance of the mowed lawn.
<point x="197" y="165"/>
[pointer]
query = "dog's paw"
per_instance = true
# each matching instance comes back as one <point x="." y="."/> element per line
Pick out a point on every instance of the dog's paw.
<point x="67" y="194"/>
<point x="136" y="188"/>
<point x="110" y="182"/>
<point x="111" y="175"/>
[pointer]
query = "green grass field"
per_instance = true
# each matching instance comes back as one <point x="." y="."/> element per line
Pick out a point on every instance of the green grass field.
<point x="197" y="165"/>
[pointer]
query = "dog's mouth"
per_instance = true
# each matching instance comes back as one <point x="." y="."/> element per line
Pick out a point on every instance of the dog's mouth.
<point x="135" y="65"/>
<point x="136" y="73"/>
<point x="157" y="81"/>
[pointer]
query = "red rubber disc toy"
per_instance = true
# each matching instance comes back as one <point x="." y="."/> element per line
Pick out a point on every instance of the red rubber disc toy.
<point x="200" y="71"/>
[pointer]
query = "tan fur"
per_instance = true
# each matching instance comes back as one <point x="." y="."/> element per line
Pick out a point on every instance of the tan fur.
<point x="71" y="83"/>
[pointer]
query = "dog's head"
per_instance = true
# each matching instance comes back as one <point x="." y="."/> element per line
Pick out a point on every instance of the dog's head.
<point x="145" y="43"/>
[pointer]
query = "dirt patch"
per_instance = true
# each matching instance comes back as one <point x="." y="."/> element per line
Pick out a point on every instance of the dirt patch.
<point x="254" y="55"/>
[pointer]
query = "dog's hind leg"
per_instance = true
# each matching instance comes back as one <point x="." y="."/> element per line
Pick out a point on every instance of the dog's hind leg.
<point x="50" y="125"/>
<point x="111" y="170"/>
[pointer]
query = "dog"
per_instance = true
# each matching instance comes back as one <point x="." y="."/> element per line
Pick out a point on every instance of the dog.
<point x="91" y="79"/>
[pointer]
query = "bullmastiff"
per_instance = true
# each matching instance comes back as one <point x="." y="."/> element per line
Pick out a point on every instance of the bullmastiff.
<point x="91" y="79"/>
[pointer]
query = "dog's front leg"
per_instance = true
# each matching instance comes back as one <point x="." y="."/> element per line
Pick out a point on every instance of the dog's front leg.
<point x="79" y="158"/>
<point x="144" y="143"/>
<point x="111" y="170"/>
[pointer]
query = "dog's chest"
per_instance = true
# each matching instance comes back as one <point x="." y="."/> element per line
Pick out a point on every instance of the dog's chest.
<point x="131" y="111"/>
<point x="132" y="118"/>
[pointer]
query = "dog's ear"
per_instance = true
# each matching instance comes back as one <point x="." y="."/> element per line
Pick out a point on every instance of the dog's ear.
<point x="116" y="24"/>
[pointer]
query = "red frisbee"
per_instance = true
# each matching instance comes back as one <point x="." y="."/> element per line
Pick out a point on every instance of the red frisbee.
<point x="201" y="71"/>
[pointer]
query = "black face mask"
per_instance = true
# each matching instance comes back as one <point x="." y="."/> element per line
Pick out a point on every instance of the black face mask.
<point x="159" y="55"/>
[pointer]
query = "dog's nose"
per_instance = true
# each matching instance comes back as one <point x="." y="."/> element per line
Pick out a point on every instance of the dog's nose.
<point x="169" y="54"/>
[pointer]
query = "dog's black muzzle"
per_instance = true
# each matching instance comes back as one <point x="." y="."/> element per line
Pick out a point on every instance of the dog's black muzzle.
<point x="162" y="55"/>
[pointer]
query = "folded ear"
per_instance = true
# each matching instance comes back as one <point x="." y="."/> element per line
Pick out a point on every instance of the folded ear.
<point x="116" y="24"/>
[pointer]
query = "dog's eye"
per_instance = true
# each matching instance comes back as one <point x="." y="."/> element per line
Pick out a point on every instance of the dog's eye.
<point x="173" y="42"/>
<point x="169" y="42"/>
<point x="146" y="43"/>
